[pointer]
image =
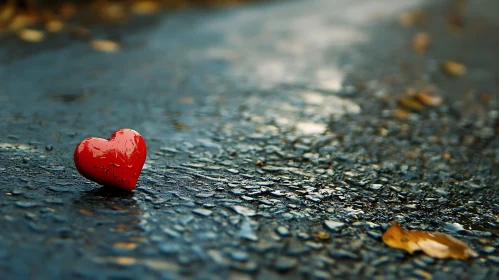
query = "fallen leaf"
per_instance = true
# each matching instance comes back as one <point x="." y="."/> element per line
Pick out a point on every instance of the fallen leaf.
<point x="112" y="11"/>
<point x="396" y="237"/>
<point x="180" y="126"/>
<point x="122" y="260"/>
<point x="31" y="35"/>
<point x="420" y="42"/>
<point x="410" y="103"/>
<point x="446" y="155"/>
<point x="322" y="235"/>
<point x="453" y="68"/>
<point x="413" y="154"/>
<point x="125" y="245"/>
<point x="23" y="20"/>
<point x="401" y="114"/>
<point x="145" y="7"/>
<point x="7" y="12"/>
<point x="434" y="244"/>
<point x="104" y="45"/>
<point x="54" y="26"/>
<point x="429" y="99"/>
<point x="85" y="212"/>
<point x="412" y="18"/>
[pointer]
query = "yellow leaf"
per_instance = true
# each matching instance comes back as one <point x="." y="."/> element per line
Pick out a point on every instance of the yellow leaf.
<point x="85" y="212"/>
<point x="434" y="244"/>
<point x="453" y="68"/>
<point x="105" y="45"/>
<point x="420" y="42"/>
<point x="31" y="35"/>
<point x="396" y="237"/>
<point x="429" y="99"/>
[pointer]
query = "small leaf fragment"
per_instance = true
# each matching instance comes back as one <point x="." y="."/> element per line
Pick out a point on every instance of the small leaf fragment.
<point x="412" y="18"/>
<point x="453" y="68"/>
<point x="434" y="244"/>
<point x="429" y="99"/>
<point x="54" y="26"/>
<point x="145" y="7"/>
<point x="441" y="245"/>
<point x="401" y="114"/>
<point x="410" y="103"/>
<point x="396" y="237"/>
<point x="105" y="45"/>
<point x="85" y="212"/>
<point x="420" y="42"/>
<point x="31" y="35"/>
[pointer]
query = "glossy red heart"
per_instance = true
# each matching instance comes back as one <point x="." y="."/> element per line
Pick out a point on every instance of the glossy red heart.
<point x="116" y="162"/>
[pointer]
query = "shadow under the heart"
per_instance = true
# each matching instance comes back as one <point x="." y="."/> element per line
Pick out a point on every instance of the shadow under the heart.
<point x="107" y="215"/>
<point x="109" y="192"/>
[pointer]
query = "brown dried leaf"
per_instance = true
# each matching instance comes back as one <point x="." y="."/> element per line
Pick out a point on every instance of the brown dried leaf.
<point x="446" y="155"/>
<point x="434" y="244"/>
<point x="396" y="237"/>
<point x="7" y="12"/>
<point x="22" y="20"/>
<point x="125" y="245"/>
<point x="420" y="42"/>
<point x="104" y="45"/>
<point x="180" y="126"/>
<point x="401" y="114"/>
<point x="322" y="235"/>
<point x="412" y="18"/>
<point x="122" y="260"/>
<point x="31" y="35"/>
<point x="54" y="26"/>
<point x="453" y="68"/>
<point x="145" y="7"/>
<point x="429" y="99"/>
<point x="85" y="212"/>
<point x="410" y="103"/>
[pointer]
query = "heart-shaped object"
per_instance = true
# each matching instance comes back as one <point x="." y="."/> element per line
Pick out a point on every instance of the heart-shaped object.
<point x="116" y="162"/>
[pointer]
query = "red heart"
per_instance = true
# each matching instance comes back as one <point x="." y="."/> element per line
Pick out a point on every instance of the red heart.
<point x="116" y="162"/>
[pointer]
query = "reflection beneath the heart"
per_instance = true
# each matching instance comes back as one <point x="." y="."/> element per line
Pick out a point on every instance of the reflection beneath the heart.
<point x="108" y="210"/>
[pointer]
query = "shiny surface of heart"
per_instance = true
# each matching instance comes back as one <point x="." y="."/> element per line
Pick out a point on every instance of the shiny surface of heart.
<point x="116" y="162"/>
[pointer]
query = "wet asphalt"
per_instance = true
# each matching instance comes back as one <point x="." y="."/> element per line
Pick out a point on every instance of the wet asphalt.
<point x="276" y="146"/>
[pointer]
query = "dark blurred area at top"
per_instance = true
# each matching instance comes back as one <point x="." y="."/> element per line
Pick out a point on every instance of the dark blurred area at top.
<point x="55" y="16"/>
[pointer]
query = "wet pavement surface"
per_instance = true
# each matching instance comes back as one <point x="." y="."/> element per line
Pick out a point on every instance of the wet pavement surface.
<point x="276" y="145"/>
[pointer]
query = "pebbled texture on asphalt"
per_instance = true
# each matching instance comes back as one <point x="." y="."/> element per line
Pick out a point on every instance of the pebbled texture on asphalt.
<point x="273" y="149"/>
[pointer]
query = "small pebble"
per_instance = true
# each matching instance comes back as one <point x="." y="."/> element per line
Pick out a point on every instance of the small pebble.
<point x="333" y="225"/>
<point x="285" y="263"/>
<point x="282" y="231"/>
<point x="202" y="212"/>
